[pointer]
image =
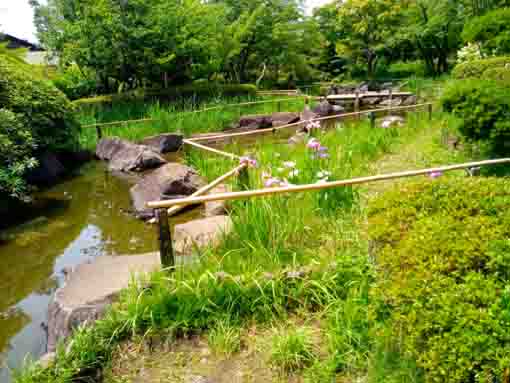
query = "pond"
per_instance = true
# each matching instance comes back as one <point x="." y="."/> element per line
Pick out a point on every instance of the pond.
<point x="83" y="217"/>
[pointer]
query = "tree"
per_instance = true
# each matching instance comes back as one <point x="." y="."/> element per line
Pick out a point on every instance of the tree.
<point x="491" y="32"/>
<point x="365" y="29"/>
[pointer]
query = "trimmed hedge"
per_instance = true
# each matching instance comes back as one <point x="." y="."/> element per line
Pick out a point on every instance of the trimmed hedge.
<point x="477" y="68"/>
<point x="193" y="92"/>
<point x="484" y="108"/>
<point x="443" y="279"/>
<point x="40" y="106"/>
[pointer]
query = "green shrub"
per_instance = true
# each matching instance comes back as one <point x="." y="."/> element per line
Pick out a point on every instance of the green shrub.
<point x="498" y="74"/>
<point x="442" y="253"/>
<point x="75" y="84"/>
<point x="16" y="148"/>
<point x="403" y="69"/>
<point x="477" y="68"/>
<point x="484" y="108"/>
<point x="40" y="107"/>
<point x="491" y="31"/>
<point x="196" y="92"/>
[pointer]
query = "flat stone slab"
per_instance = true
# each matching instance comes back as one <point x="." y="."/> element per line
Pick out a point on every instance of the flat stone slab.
<point x="89" y="289"/>
<point x="200" y="233"/>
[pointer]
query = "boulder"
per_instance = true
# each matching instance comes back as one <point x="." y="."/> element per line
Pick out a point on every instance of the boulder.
<point x="215" y="208"/>
<point x="200" y="233"/>
<point x="391" y="103"/>
<point x="164" y="143"/>
<point x="88" y="291"/>
<point x="411" y="100"/>
<point x="48" y="171"/>
<point x="125" y="156"/>
<point x="308" y="115"/>
<point x="253" y="122"/>
<point x="170" y="181"/>
<point x="391" y="122"/>
<point x="326" y="109"/>
<point x="371" y="101"/>
<point x="284" y="118"/>
<point x="298" y="138"/>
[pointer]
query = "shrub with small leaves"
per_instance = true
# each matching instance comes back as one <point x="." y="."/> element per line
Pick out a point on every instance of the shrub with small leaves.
<point x="16" y="147"/>
<point x="484" y="108"/>
<point x="476" y="68"/>
<point x="442" y="251"/>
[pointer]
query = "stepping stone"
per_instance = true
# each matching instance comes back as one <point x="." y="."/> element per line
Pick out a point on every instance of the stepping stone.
<point x="200" y="233"/>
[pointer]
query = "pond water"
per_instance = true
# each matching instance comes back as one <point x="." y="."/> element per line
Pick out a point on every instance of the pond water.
<point x="81" y="218"/>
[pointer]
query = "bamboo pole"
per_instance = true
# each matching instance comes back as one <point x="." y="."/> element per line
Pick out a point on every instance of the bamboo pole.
<point x="260" y="131"/>
<point x="320" y="186"/>
<point x="212" y="150"/>
<point x="209" y="187"/>
<point x="194" y="111"/>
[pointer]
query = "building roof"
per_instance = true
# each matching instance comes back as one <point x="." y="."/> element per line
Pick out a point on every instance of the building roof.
<point x="14" y="42"/>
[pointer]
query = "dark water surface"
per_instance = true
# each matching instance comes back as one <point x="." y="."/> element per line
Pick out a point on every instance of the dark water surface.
<point x="81" y="218"/>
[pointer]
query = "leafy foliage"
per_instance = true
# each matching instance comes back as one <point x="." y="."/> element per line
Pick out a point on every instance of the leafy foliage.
<point x="483" y="107"/>
<point x="491" y="31"/>
<point x="75" y="83"/>
<point x="477" y="68"/>
<point x="16" y="148"/>
<point x="40" y="107"/>
<point x="501" y="74"/>
<point x="442" y="279"/>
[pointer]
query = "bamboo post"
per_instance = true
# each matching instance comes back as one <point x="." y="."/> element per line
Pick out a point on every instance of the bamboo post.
<point x="391" y="101"/>
<point x="356" y="102"/>
<point x="371" y="116"/>
<point x="430" y="111"/>
<point x="244" y="179"/>
<point x="166" y="251"/>
<point x="99" y="132"/>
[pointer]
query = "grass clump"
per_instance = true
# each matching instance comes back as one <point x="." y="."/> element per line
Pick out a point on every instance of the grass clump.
<point x="293" y="349"/>
<point x="442" y="275"/>
<point x="224" y="338"/>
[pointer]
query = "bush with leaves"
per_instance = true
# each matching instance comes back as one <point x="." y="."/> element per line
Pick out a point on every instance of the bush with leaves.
<point x="484" y="108"/>
<point x="476" y="68"/>
<point x="498" y="74"/>
<point x="16" y="147"/>
<point x="76" y="83"/>
<point x="491" y="31"/>
<point x="442" y="252"/>
<point x="41" y="107"/>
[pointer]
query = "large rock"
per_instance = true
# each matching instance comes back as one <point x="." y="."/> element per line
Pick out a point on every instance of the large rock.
<point x="326" y="109"/>
<point x="48" y="171"/>
<point x="89" y="289"/>
<point x="200" y="233"/>
<point x="164" y="143"/>
<point x="284" y="118"/>
<point x="391" y="122"/>
<point x="215" y="208"/>
<point x="391" y="103"/>
<point x="125" y="156"/>
<point x="411" y="100"/>
<point x="254" y="122"/>
<point x="307" y="114"/>
<point x="170" y="181"/>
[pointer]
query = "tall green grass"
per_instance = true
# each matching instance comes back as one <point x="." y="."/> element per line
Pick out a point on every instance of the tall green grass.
<point x="169" y="118"/>
<point x="287" y="254"/>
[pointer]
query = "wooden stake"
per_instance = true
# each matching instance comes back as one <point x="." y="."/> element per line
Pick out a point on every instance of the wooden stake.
<point x="244" y="179"/>
<point x="166" y="251"/>
<point x="99" y="133"/>
<point x="320" y="186"/>
<point x="356" y="102"/>
<point x="371" y="116"/>
<point x="430" y="112"/>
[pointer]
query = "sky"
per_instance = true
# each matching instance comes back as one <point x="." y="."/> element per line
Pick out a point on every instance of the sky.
<point x="16" y="17"/>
